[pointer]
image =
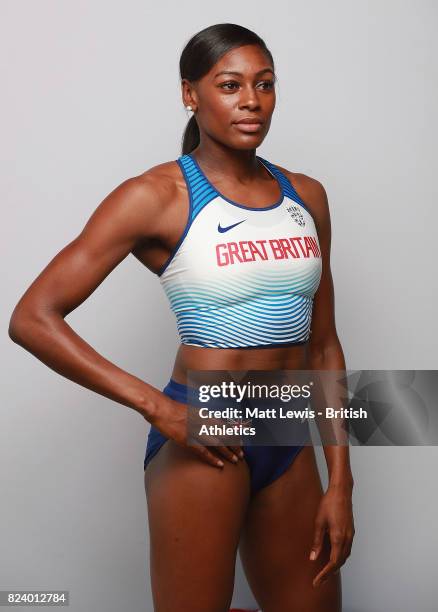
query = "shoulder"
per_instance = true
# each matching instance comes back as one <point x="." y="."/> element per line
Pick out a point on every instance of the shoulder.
<point x="147" y="197"/>
<point x="312" y="192"/>
<point x="153" y="187"/>
<point x="140" y="204"/>
<point x="158" y="184"/>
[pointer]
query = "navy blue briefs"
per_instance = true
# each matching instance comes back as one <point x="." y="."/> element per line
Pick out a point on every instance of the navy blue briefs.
<point x="266" y="463"/>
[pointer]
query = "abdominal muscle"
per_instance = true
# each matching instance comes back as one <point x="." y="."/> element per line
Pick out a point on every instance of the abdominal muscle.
<point x="195" y="358"/>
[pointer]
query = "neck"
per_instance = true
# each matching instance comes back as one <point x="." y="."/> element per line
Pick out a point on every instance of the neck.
<point x="242" y="164"/>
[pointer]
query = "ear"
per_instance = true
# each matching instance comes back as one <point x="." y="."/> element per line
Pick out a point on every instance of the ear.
<point x="188" y="94"/>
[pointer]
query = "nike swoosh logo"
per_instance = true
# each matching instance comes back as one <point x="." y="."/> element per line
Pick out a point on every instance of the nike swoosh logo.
<point x="225" y="229"/>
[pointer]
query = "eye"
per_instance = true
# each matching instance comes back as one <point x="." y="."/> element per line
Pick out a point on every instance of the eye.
<point x="268" y="84"/>
<point x="232" y="85"/>
<point x="225" y="85"/>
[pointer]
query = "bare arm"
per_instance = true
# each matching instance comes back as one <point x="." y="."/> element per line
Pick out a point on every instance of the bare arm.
<point x="335" y="513"/>
<point x="325" y="350"/>
<point x="125" y="217"/>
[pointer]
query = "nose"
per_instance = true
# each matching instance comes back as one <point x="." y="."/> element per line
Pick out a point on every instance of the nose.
<point x="248" y="98"/>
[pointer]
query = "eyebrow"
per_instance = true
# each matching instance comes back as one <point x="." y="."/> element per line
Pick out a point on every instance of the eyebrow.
<point x="240" y="74"/>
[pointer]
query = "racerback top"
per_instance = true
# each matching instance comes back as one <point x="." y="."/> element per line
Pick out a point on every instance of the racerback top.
<point x="240" y="276"/>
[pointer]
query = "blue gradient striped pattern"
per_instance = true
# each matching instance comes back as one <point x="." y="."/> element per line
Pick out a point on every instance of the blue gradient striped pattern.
<point x="288" y="188"/>
<point x="263" y="307"/>
<point x="201" y="192"/>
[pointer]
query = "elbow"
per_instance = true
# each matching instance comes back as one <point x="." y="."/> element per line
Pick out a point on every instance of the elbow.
<point x="22" y="324"/>
<point x="326" y="355"/>
<point x="316" y="357"/>
<point x="18" y="325"/>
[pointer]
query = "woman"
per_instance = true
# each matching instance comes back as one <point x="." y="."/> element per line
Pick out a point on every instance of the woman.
<point x="215" y="227"/>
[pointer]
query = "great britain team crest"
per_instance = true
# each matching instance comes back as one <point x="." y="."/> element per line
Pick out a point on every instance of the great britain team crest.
<point x="296" y="214"/>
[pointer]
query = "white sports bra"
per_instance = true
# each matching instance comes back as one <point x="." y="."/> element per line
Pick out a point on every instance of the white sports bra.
<point x="242" y="277"/>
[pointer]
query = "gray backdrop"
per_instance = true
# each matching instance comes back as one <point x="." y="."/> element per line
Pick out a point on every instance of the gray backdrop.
<point x="91" y="97"/>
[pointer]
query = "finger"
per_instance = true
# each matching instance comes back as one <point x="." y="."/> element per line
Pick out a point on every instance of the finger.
<point x="230" y="452"/>
<point x="318" y="537"/>
<point x="324" y="573"/>
<point x="207" y="456"/>
<point x="335" y="561"/>
<point x="340" y="546"/>
<point x="237" y="450"/>
<point x="227" y="453"/>
<point x="347" y="545"/>
<point x="218" y="444"/>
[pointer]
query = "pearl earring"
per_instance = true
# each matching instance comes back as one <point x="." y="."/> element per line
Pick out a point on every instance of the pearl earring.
<point x="189" y="108"/>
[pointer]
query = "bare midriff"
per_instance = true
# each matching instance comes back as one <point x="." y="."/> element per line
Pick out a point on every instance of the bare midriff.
<point x="188" y="357"/>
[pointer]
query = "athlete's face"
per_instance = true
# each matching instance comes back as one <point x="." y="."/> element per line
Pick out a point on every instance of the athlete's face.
<point x="241" y="85"/>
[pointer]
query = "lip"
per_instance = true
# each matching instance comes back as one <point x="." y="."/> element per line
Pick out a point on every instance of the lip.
<point x="249" y="121"/>
<point x="249" y="125"/>
<point x="248" y="128"/>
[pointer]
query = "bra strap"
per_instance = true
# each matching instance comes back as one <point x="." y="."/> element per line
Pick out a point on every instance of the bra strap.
<point x="200" y="190"/>
<point x="288" y="188"/>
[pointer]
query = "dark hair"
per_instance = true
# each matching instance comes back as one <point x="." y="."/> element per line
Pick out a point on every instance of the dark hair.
<point x="202" y="52"/>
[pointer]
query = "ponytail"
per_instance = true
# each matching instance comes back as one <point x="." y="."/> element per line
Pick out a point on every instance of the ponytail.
<point x="190" y="138"/>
